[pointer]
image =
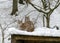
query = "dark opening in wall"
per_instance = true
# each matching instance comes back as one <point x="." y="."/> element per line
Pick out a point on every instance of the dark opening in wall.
<point x="27" y="41"/>
<point x="30" y="41"/>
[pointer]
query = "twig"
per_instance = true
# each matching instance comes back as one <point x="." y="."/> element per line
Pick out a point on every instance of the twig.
<point x="8" y="25"/>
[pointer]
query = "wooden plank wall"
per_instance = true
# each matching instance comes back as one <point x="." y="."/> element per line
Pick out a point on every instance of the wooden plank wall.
<point x="34" y="39"/>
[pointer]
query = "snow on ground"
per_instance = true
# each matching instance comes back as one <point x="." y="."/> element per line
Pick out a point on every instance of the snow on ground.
<point x="37" y="32"/>
<point x="5" y="4"/>
<point x="3" y="0"/>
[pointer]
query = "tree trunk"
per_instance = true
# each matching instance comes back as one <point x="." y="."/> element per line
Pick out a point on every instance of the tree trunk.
<point x="43" y="21"/>
<point x="15" y="7"/>
<point x="2" y="37"/>
<point x="48" y="21"/>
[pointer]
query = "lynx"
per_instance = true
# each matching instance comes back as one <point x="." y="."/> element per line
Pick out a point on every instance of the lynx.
<point x="27" y="25"/>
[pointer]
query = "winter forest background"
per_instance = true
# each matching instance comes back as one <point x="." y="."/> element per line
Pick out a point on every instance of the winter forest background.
<point x="45" y="15"/>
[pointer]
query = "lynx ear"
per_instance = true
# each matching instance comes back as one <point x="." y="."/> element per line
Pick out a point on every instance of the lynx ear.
<point x="27" y="18"/>
<point x="19" y="21"/>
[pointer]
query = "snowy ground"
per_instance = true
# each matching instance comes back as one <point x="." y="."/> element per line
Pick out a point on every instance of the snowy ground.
<point x="6" y="18"/>
<point x="37" y="32"/>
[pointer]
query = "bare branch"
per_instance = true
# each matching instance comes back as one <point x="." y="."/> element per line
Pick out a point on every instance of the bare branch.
<point x="57" y="2"/>
<point x="39" y="10"/>
<point x="8" y="25"/>
<point x="51" y="10"/>
<point x="36" y="19"/>
<point x="1" y="26"/>
<point x="38" y="6"/>
<point x="29" y="12"/>
<point x="49" y="4"/>
<point x="56" y="6"/>
<point x="44" y="4"/>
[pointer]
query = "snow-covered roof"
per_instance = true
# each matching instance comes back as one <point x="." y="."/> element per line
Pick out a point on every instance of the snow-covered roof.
<point x="37" y="32"/>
